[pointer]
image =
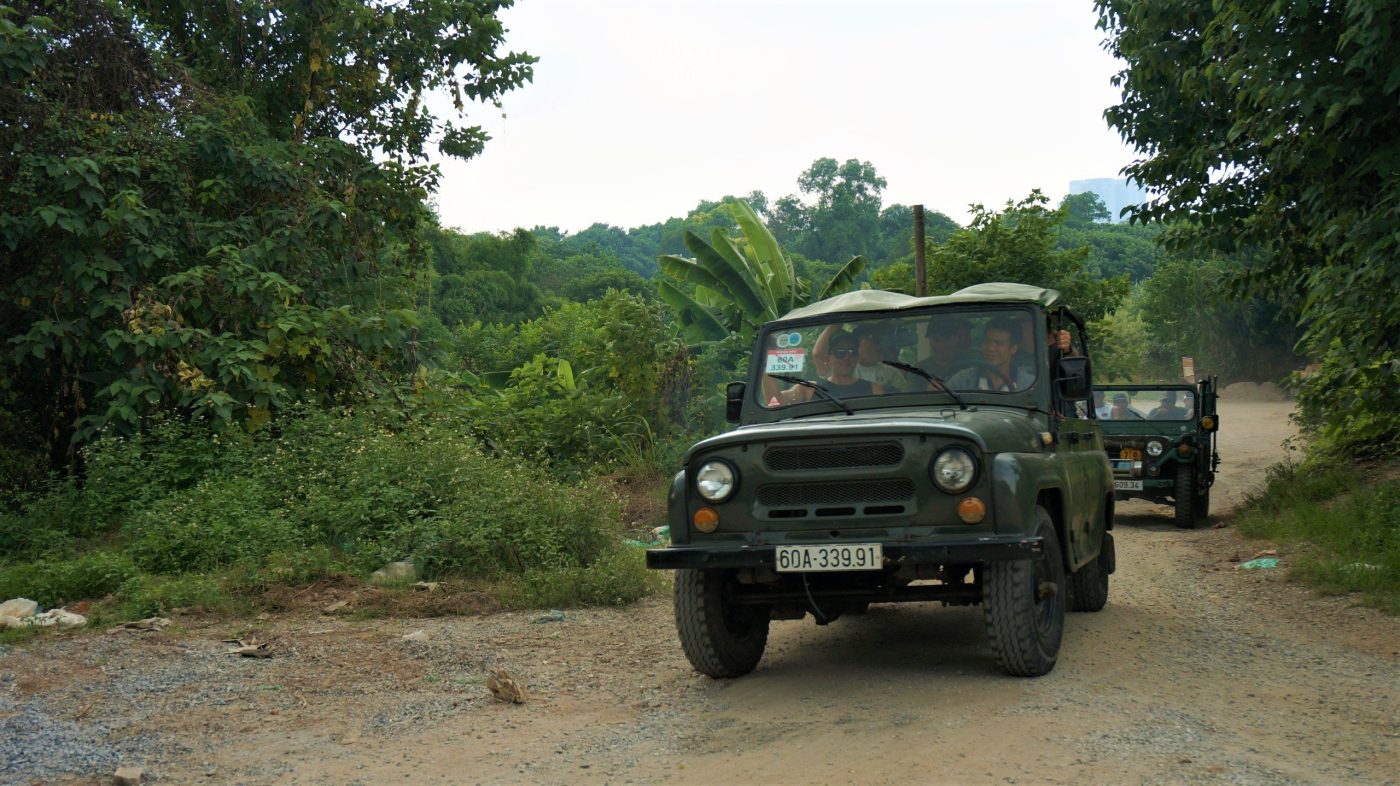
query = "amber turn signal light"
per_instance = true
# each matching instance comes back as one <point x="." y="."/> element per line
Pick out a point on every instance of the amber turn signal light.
<point x="706" y="520"/>
<point x="1208" y="422"/>
<point x="1184" y="449"/>
<point x="971" y="510"/>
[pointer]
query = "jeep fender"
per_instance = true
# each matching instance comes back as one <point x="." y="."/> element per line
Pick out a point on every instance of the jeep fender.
<point x="1017" y="481"/>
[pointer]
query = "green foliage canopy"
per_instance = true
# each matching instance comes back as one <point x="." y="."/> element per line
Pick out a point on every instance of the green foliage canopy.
<point x="1270" y="127"/>
<point x="1016" y="244"/>
<point x="345" y="69"/>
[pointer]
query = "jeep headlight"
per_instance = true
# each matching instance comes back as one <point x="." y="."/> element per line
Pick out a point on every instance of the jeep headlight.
<point x="1154" y="448"/>
<point x="716" y="480"/>
<point x="954" y="470"/>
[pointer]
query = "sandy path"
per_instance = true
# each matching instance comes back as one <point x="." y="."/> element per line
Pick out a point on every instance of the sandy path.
<point x="1196" y="672"/>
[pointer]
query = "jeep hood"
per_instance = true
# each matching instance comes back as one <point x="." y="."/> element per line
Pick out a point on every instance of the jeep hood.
<point x="992" y="429"/>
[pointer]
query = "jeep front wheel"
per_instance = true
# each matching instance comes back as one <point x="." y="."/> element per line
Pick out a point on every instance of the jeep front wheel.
<point x="1184" y="497"/>
<point x="1023" y="605"/>
<point x="720" y="638"/>
<point x="1201" y="504"/>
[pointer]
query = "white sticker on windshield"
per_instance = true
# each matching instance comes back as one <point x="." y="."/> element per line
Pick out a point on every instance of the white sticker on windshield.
<point x="786" y="361"/>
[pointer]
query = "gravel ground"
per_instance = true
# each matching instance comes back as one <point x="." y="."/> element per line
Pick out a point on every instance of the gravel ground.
<point x="1196" y="672"/>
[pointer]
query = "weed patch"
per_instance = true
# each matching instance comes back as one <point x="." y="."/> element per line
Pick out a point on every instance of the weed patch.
<point x="1344" y="523"/>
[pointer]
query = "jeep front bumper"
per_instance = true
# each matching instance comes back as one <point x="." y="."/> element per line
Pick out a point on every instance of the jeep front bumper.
<point x="989" y="549"/>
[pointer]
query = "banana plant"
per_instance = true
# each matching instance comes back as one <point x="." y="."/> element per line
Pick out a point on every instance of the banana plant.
<point x="739" y="283"/>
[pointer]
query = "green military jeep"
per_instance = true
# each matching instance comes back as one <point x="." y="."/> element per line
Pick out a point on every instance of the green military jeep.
<point x="891" y="449"/>
<point x="1161" y="442"/>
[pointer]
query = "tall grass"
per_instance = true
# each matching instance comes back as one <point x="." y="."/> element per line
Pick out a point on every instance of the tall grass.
<point x="1344" y="521"/>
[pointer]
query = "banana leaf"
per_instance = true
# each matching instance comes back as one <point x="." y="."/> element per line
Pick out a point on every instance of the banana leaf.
<point x="842" y="280"/>
<point x="698" y="323"/>
<point x="733" y="280"/>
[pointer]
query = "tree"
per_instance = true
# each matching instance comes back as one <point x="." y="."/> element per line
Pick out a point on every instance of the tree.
<point x="844" y="220"/>
<point x="738" y="284"/>
<point x="1017" y="244"/>
<point x="897" y="232"/>
<point x="1269" y="128"/>
<point x="169" y="250"/>
<point x="345" y="69"/>
<point x="1083" y="210"/>
<point x="1185" y="313"/>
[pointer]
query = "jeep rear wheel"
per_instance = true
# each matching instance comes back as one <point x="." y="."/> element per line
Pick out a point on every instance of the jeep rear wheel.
<point x="720" y="638"/>
<point x="1184" y="496"/>
<point x="1023" y="605"/>
<point x="1088" y="586"/>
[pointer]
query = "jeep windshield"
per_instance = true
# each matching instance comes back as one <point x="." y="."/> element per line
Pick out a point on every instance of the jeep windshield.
<point x="856" y="357"/>
<point x="1144" y="403"/>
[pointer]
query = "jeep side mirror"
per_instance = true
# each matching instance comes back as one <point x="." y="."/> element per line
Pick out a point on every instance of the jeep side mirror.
<point x="1072" y="377"/>
<point x="733" y="401"/>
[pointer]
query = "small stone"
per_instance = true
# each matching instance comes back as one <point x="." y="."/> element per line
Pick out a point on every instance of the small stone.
<point x="402" y="572"/>
<point x="127" y="776"/>
<point x="418" y="635"/>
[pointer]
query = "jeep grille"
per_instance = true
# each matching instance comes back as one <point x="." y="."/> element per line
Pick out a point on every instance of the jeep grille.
<point x="891" y="490"/>
<point x="836" y="457"/>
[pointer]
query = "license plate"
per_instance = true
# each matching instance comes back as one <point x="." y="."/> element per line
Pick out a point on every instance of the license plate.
<point x="1127" y="485"/>
<point x="845" y="556"/>
<point x="1130" y="453"/>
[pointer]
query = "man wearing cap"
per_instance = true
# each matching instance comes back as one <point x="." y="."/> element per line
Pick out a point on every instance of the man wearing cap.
<point x="841" y="349"/>
<point x="1122" y="409"/>
<point x="870" y="352"/>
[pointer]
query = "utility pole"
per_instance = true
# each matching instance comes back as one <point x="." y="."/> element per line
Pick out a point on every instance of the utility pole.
<point x="920" y="282"/>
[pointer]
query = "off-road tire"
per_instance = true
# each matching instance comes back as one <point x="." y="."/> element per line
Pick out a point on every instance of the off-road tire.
<point x="1088" y="586"/>
<point x="1184" y="497"/>
<point x="1201" y="505"/>
<point x="1025" y="625"/>
<point x="719" y="639"/>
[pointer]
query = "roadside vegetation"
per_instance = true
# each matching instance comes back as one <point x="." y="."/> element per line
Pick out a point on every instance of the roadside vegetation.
<point x="1342" y="523"/>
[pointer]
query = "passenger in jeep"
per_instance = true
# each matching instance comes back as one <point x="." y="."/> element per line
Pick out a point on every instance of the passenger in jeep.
<point x="842" y="382"/>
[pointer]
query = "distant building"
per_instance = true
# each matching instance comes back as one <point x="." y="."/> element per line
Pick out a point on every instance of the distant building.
<point x="1116" y="193"/>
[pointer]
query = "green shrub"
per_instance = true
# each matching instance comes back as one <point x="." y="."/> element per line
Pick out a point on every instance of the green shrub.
<point x="56" y="582"/>
<point x="149" y="596"/>
<point x="618" y="577"/>
<point x="222" y="521"/>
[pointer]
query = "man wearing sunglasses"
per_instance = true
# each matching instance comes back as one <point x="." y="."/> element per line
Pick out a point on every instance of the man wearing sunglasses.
<point x="872" y="349"/>
<point x="840" y="355"/>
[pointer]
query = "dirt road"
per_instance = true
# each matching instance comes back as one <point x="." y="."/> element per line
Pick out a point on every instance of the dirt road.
<point x="1196" y="672"/>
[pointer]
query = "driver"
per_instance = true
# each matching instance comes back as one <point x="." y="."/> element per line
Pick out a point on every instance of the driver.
<point x="1167" y="408"/>
<point x="1122" y="409"/>
<point x="996" y="372"/>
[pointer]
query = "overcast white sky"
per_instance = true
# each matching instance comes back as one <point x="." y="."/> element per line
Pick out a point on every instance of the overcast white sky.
<point x="640" y="109"/>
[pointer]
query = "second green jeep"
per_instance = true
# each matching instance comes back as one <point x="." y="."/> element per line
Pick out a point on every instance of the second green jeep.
<point x="1161" y="442"/>
<point x="894" y="449"/>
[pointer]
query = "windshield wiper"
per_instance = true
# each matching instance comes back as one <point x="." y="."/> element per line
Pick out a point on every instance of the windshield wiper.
<point x="933" y="378"/>
<point x="814" y="386"/>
